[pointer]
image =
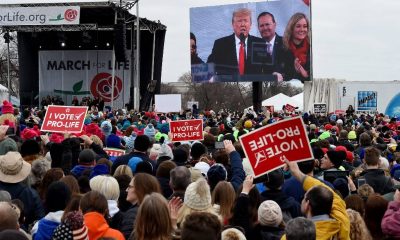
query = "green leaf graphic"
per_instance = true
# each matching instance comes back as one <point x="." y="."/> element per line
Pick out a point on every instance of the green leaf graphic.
<point x="77" y="86"/>
<point x="59" y="16"/>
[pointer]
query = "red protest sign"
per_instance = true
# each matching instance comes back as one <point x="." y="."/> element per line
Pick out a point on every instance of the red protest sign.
<point x="64" y="119"/>
<point x="340" y="112"/>
<point x="186" y="130"/>
<point x="268" y="147"/>
<point x="290" y="108"/>
<point x="114" y="152"/>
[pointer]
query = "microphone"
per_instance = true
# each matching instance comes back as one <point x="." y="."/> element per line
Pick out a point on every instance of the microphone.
<point x="242" y="38"/>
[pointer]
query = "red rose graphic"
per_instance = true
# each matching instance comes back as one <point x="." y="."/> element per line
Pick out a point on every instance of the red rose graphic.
<point x="101" y="86"/>
<point x="307" y="2"/>
<point x="70" y="14"/>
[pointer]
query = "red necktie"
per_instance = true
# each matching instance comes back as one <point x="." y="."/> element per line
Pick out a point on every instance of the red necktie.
<point x="241" y="58"/>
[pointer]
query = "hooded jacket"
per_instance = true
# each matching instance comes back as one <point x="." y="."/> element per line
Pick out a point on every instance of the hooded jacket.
<point x="44" y="228"/>
<point x="378" y="181"/>
<point x="391" y="220"/>
<point x="337" y="224"/>
<point x="98" y="227"/>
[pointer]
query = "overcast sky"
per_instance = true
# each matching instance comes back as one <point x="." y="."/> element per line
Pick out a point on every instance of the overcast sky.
<point x="352" y="40"/>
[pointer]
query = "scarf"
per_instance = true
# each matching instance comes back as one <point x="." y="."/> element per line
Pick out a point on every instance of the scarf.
<point x="300" y="51"/>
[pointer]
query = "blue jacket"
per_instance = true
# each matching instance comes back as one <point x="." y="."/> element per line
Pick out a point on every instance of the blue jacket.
<point x="238" y="174"/>
<point x="45" y="230"/>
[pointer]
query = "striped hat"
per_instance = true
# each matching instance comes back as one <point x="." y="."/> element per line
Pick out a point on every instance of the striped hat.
<point x="72" y="228"/>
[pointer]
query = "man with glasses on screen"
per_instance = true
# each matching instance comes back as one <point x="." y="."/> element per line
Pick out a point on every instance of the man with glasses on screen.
<point x="232" y="55"/>
<point x="274" y="46"/>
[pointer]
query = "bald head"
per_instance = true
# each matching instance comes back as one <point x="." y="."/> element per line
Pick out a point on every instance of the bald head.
<point x="9" y="217"/>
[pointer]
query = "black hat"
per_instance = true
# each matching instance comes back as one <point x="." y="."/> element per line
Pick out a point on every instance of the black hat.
<point x="87" y="156"/>
<point x="336" y="157"/>
<point x="274" y="179"/>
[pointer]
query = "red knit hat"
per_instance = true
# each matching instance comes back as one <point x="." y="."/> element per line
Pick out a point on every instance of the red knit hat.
<point x="7" y="107"/>
<point x="328" y="127"/>
<point x="56" y="138"/>
<point x="29" y="133"/>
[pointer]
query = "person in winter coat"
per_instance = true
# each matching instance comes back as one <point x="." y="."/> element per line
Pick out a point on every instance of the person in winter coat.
<point x="95" y="210"/>
<point x="109" y="187"/>
<point x="12" y="180"/>
<point x="140" y="185"/>
<point x="391" y="220"/>
<point x="57" y="198"/>
<point x="323" y="206"/>
<point x="289" y="206"/>
<point x="270" y="224"/>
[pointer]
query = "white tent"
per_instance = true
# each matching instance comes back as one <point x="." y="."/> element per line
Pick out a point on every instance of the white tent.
<point x="299" y="98"/>
<point x="279" y="100"/>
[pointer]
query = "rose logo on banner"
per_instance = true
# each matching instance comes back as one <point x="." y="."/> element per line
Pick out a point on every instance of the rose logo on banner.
<point x="101" y="86"/>
<point x="64" y="119"/>
<point x="267" y="148"/>
<point x="186" y="130"/>
<point x="70" y="14"/>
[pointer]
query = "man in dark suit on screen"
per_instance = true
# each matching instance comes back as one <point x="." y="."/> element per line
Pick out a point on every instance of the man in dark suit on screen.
<point x="277" y="57"/>
<point x="232" y="55"/>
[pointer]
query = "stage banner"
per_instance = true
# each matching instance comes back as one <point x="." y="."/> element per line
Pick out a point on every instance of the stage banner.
<point x="64" y="119"/>
<point x="186" y="130"/>
<point x="83" y="73"/>
<point x="267" y="148"/>
<point x="60" y="15"/>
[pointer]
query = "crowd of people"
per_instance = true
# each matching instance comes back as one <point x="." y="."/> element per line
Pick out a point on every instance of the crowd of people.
<point x="70" y="186"/>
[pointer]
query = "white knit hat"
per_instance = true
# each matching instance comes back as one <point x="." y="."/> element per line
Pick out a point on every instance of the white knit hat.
<point x="232" y="234"/>
<point x="203" y="167"/>
<point x="197" y="195"/>
<point x="269" y="214"/>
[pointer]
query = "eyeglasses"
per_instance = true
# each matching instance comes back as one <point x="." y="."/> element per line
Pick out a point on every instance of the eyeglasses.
<point x="193" y="46"/>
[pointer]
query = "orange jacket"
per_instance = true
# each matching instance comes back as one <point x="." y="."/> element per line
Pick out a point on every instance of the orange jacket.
<point x="98" y="227"/>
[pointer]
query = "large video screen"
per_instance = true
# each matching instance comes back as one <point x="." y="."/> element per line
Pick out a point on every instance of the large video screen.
<point x="246" y="42"/>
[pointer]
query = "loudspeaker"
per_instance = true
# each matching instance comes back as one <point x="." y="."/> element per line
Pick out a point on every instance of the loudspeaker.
<point x="120" y="42"/>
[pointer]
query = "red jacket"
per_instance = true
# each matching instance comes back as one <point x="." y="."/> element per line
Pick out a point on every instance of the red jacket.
<point x="98" y="227"/>
<point x="391" y="220"/>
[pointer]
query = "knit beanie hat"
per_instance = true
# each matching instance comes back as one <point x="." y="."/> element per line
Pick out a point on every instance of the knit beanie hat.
<point x="215" y="174"/>
<point x="165" y="151"/>
<point x="30" y="133"/>
<point x="150" y="131"/>
<point x="352" y="135"/>
<point x="8" y="145"/>
<point x="56" y="138"/>
<point x="180" y="157"/>
<point x="269" y="214"/>
<point x="198" y="195"/>
<point x="203" y="167"/>
<point x="86" y="156"/>
<point x="73" y="228"/>
<point x="106" y="128"/>
<point x="324" y="135"/>
<point x="274" y="179"/>
<point x="7" y="107"/>
<point x="336" y="157"/>
<point x="232" y="234"/>
<point x="113" y="141"/>
<point x="248" y="124"/>
<point x="133" y="162"/>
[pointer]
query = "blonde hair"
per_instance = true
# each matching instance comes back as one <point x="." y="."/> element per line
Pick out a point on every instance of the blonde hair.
<point x="224" y="195"/>
<point x="123" y="170"/>
<point x="106" y="185"/>
<point x="8" y="116"/>
<point x="241" y="12"/>
<point x="287" y="36"/>
<point x="97" y="140"/>
<point x="153" y="219"/>
<point x="358" y="229"/>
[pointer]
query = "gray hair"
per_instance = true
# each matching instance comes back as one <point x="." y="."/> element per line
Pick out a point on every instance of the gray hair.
<point x="5" y="196"/>
<point x="300" y="228"/>
<point x="180" y="178"/>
